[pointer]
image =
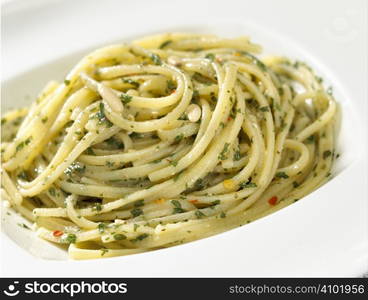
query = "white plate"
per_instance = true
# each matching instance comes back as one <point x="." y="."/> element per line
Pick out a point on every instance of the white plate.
<point x="325" y="234"/>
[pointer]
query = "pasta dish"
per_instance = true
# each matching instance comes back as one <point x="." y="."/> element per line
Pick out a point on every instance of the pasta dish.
<point x="166" y="140"/>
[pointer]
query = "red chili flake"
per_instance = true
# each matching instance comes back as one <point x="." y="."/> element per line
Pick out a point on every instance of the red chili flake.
<point x="229" y="118"/>
<point x="57" y="233"/>
<point x="193" y="201"/>
<point x="272" y="200"/>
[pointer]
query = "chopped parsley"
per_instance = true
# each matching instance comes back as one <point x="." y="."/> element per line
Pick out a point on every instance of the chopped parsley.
<point x="237" y="155"/>
<point x="222" y="155"/>
<point x="276" y="105"/>
<point x="131" y="82"/>
<point x="171" y="86"/>
<point x="75" y="167"/>
<point x="199" y="214"/>
<point x="155" y="59"/>
<point x="202" y="79"/>
<point x="97" y="207"/>
<point x="264" y="108"/>
<point x="281" y="175"/>
<point x="21" y="145"/>
<point x="102" y="117"/>
<point x="119" y="237"/>
<point x="139" y="203"/>
<point x="255" y="60"/>
<point x="177" y="207"/>
<point x="178" y="138"/>
<point x="156" y="161"/>
<point x="115" y="143"/>
<point x="136" y="212"/>
<point x="52" y="191"/>
<point x="165" y="43"/>
<point x="318" y="79"/>
<point x="174" y="163"/>
<point x="23" y="225"/>
<point x="66" y="82"/>
<point x="71" y="238"/>
<point x="326" y="154"/>
<point x="176" y="203"/>
<point x="101" y="227"/>
<point x="198" y="184"/>
<point x="104" y="251"/>
<point x="210" y="56"/>
<point x="195" y="95"/>
<point x="140" y="237"/>
<point x="125" y="98"/>
<point x="109" y="164"/>
<point x="330" y="91"/>
<point x="247" y="185"/>
<point x="310" y="139"/>
<point x="215" y="202"/>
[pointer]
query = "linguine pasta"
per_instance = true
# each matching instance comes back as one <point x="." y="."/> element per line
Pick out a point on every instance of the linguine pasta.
<point x="166" y="140"/>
